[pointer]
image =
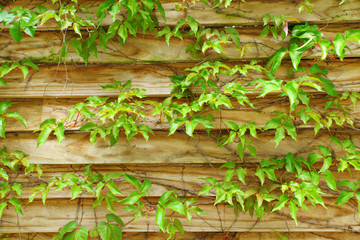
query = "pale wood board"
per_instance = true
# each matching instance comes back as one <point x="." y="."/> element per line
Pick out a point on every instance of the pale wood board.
<point x="45" y="47"/>
<point x="35" y="111"/>
<point x="213" y="236"/>
<point x="76" y="81"/>
<point x="48" y="218"/>
<point x="160" y="149"/>
<point x="185" y="178"/>
<point x="238" y="13"/>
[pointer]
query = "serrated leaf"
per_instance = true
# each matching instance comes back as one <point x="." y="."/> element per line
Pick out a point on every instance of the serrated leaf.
<point x="281" y="204"/>
<point x="17" y="116"/>
<point x="70" y="226"/>
<point x="160" y="215"/>
<point x="177" y="206"/>
<point x="43" y="136"/>
<point x="15" y="31"/>
<point x="330" y="179"/>
<point x="344" y="197"/>
<point x="114" y="218"/>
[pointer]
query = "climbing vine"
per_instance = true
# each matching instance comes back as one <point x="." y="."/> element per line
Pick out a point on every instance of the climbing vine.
<point x="211" y="85"/>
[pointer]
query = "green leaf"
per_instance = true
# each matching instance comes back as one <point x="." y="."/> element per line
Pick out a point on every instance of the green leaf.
<point x="330" y="179"/>
<point x="70" y="226"/>
<point x="131" y="199"/>
<point x="2" y="127"/>
<point x="205" y="190"/>
<point x="324" y="46"/>
<point x="229" y="165"/>
<point x="132" y="180"/>
<point x="81" y="234"/>
<point x="75" y="190"/>
<point x="275" y="60"/>
<point x="51" y="122"/>
<point x="264" y="32"/>
<point x="88" y="126"/>
<point x="293" y="211"/>
<point x="241" y="172"/>
<point x="273" y="123"/>
<point x="109" y="176"/>
<point x="346" y="183"/>
<point x="3" y="82"/>
<point x="291" y="130"/>
<point x="2" y="206"/>
<point x="339" y="45"/>
<point x="15" y="31"/>
<point x="229" y="175"/>
<point x="109" y="203"/>
<point x="344" y="197"/>
<point x="113" y="188"/>
<point x="279" y="135"/>
<point x="17" y="188"/>
<point x="177" y="206"/>
<point x="114" y="218"/>
<point x="145" y="186"/>
<point x="178" y="225"/>
<point x="28" y="62"/>
<point x="17" y="116"/>
<point x="4" y="105"/>
<point x="4" y="174"/>
<point x="59" y="132"/>
<point x="329" y="87"/>
<point x="17" y="204"/>
<point x="160" y="215"/>
<point x="282" y="201"/>
<point x="43" y="136"/>
<point x="104" y="231"/>
<point x="260" y="174"/>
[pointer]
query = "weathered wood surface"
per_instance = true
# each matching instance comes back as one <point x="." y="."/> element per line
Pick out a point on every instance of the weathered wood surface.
<point x="35" y="111"/>
<point x="185" y="178"/>
<point x="48" y="218"/>
<point x="239" y="13"/>
<point x="45" y="47"/>
<point x="177" y="148"/>
<point x="75" y="81"/>
<point x="213" y="236"/>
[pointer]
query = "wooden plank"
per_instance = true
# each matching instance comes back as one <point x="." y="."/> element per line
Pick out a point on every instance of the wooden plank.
<point x="45" y="47"/>
<point x="212" y="236"/>
<point x="77" y="81"/>
<point x="35" y="111"/>
<point x="238" y="13"/>
<point x="186" y="178"/>
<point x="48" y="218"/>
<point x="177" y="148"/>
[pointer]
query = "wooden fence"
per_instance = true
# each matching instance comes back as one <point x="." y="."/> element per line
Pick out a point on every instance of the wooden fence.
<point x="169" y="162"/>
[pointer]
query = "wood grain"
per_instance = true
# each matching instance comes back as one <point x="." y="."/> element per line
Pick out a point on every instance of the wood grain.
<point x="45" y="47"/>
<point x="160" y="149"/>
<point x="77" y="81"/>
<point x="187" y="179"/>
<point x="239" y="13"/>
<point x="35" y="111"/>
<point x="212" y="236"/>
<point x="48" y="218"/>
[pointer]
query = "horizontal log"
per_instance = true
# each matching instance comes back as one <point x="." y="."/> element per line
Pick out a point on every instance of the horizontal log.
<point x="239" y="13"/>
<point x="48" y="218"/>
<point x="177" y="148"/>
<point x="45" y="47"/>
<point x="59" y="109"/>
<point x="77" y="81"/>
<point x="211" y="235"/>
<point x="186" y="178"/>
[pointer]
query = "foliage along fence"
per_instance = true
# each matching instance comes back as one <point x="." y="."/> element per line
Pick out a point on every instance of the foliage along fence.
<point x="242" y="121"/>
